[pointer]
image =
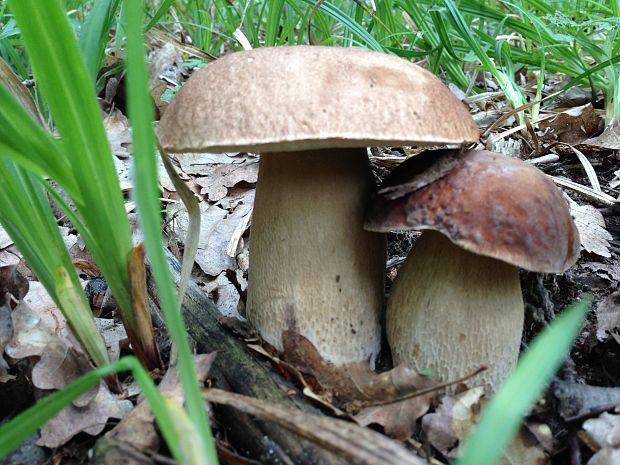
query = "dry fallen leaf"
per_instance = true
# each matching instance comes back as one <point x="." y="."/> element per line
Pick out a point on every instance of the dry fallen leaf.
<point x="447" y="428"/>
<point x="608" y="140"/>
<point x="220" y="177"/>
<point x="114" y="335"/>
<point x="591" y="225"/>
<point x="604" y="431"/>
<point x="117" y="129"/>
<point x="37" y="322"/>
<point x="607" y="314"/>
<point x="91" y="418"/>
<point x="216" y="230"/>
<point x="573" y="126"/>
<point x="225" y="296"/>
<point x="378" y="398"/>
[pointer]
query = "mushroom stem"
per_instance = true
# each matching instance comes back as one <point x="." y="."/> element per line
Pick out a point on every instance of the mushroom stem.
<point x="452" y="311"/>
<point x="313" y="268"/>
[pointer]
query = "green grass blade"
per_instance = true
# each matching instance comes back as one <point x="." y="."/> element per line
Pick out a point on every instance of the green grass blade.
<point x="342" y="18"/>
<point x="28" y="144"/>
<point x="147" y="195"/>
<point x="14" y="432"/>
<point x="161" y="11"/>
<point x="28" y="218"/>
<point x="79" y="316"/>
<point x="274" y="17"/>
<point x="94" y="34"/>
<point x="502" y="416"/>
<point x="63" y="80"/>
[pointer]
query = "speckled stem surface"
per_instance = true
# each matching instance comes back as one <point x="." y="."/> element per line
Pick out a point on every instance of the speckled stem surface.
<point x="452" y="311"/>
<point x="313" y="268"/>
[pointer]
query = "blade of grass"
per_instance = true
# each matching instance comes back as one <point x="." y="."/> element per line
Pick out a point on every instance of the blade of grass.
<point x="159" y="14"/>
<point x="26" y="423"/>
<point x="342" y="18"/>
<point x="64" y="81"/>
<point x="147" y="195"/>
<point x="94" y="34"/>
<point x="28" y="218"/>
<point x="502" y="416"/>
<point x="510" y="89"/>
<point x="28" y="144"/>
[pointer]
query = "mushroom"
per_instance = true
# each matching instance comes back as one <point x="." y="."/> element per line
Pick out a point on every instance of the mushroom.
<point x="456" y="302"/>
<point x="311" y="112"/>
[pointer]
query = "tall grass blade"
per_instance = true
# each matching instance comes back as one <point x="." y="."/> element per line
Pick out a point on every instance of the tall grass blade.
<point x="502" y="416"/>
<point x="94" y="34"/>
<point x="147" y="195"/>
<point x="64" y="81"/>
<point x="14" y="432"/>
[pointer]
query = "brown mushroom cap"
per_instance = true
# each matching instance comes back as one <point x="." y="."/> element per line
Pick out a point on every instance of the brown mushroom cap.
<point x="491" y="205"/>
<point x="310" y="97"/>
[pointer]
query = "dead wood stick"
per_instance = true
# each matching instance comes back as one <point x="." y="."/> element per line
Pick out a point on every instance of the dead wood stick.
<point x="236" y="369"/>
<point x="355" y="443"/>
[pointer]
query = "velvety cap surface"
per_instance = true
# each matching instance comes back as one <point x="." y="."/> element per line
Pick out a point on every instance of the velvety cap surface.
<point x="309" y="97"/>
<point x="489" y="204"/>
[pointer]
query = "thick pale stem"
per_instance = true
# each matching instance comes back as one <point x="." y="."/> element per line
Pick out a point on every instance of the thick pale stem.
<point x="313" y="268"/>
<point x="452" y="311"/>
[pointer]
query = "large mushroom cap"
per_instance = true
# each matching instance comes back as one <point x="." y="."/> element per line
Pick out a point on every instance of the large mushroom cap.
<point x="489" y="204"/>
<point x="308" y="97"/>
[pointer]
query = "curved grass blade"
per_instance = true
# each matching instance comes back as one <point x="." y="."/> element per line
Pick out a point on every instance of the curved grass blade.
<point x="502" y="416"/>
<point x="14" y="432"/>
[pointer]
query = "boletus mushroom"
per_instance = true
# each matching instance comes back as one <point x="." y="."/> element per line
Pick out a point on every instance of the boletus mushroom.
<point x="311" y="112"/>
<point x="456" y="302"/>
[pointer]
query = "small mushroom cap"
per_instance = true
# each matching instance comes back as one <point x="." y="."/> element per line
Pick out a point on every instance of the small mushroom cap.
<point x="310" y="97"/>
<point x="490" y="205"/>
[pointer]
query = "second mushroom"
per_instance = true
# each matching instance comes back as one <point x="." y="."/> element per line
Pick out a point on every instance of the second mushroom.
<point x="456" y="303"/>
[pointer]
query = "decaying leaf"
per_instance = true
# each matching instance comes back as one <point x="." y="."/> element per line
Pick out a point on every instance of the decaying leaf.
<point x="60" y="364"/>
<point x="220" y="177"/>
<point x="137" y="430"/>
<point x="608" y="140"/>
<point x="455" y="417"/>
<point x="399" y="418"/>
<point x="574" y="125"/>
<point x="5" y="240"/>
<point x="607" y="315"/>
<point x="91" y="418"/>
<point x="216" y="231"/>
<point x="378" y="398"/>
<point x="40" y="330"/>
<point x="604" y="431"/>
<point x="591" y="225"/>
<point x="608" y="271"/>
<point x="37" y="322"/>
<point x="8" y="253"/>
<point x="12" y="282"/>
